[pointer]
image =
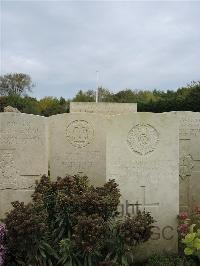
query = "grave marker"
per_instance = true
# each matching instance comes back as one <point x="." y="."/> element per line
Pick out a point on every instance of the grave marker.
<point x="23" y="156"/>
<point x="142" y="156"/>
<point x="103" y="108"/>
<point x="78" y="146"/>
<point x="189" y="169"/>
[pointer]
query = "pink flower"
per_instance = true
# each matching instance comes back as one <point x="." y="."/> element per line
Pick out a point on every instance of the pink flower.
<point x="183" y="229"/>
<point x="197" y="210"/>
<point x="183" y="215"/>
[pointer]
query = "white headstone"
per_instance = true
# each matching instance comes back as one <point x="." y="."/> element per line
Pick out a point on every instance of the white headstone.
<point x="142" y="156"/>
<point x="189" y="139"/>
<point x="78" y="146"/>
<point x="103" y="107"/>
<point x="23" y="155"/>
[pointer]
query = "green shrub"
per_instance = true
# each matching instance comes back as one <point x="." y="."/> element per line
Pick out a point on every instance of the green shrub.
<point x="126" y="234"/>
<point x="73" y="223"/>
<point x="192" y="242"/>
<point x="27" y="235"/>
<point x="68" y="254"/>
<point x="72" y="197"/>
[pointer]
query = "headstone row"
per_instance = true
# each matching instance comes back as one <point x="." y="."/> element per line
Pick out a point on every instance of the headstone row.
<point x="153" y="157"/>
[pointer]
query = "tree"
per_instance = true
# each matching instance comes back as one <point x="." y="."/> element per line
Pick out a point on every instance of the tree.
<point x="15" y="83"/>
<point x="88" y="96"/>
<point x="51" y="106"/>
<point x="104" y="95"/>
<point x="192" y="99"/>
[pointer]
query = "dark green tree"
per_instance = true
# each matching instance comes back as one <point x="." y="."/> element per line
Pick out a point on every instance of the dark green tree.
<point x="87" y="96"/>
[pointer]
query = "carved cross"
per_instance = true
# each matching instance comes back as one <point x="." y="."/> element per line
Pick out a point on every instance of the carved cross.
<point x="144" y="203"/>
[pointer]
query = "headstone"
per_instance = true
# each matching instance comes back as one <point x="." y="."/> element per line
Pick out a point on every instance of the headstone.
<point x="142" y="156"/>
<point x="23" y="156"/>
<point x="78" y="146"/>
<point x="189" y="139"/>
<point x="103" y="107"/>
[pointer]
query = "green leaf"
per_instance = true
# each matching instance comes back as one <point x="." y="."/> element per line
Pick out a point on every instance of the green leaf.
<point x="189" y="238"/>
<point x="124" y="261"/>
<point x="85" y="261"/>
<point x="188" y="251"/>
<point x="89" y="260"/>
<point x="42" y="253"/>
<point x="197" y="243"/>
<point x="49" y="262"/>
<point x="192" y="228"/>
<point x="198" y="233"/>
<point x="115" y="258"/>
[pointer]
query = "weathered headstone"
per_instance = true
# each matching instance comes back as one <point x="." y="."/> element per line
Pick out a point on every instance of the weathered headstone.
<point x="23" y="156"/>
<point x="189" y="172"/>
<point x="142" y="156"/>
<point x="103" y="107"/>
<point x="78" y="146"/>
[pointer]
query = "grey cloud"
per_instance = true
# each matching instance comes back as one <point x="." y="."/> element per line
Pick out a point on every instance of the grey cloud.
<point x="133" y="45"/>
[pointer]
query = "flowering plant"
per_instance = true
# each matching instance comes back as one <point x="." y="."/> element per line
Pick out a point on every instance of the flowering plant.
<point x="183" y="224"/>
<point x="2" y="248"/>
<point x="185" y="220"/>
<point x="189" y="232"/>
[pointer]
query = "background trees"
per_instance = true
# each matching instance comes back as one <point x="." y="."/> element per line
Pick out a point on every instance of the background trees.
<point x="15" y="83"/>
<point x="184" y="99"/>
<point x="14" y="89"/>
<point x="51" y="106"/>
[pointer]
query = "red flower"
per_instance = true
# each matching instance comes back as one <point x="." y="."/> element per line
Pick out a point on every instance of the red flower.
<point x="183" y="229"/>
<point x="197" y="210"/>
<point x="183" y="215"/>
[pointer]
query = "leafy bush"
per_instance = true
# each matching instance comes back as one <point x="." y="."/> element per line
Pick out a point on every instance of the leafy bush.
<point x="73" y="223"/>
<point x="126" y="235"/>
<point x="135" y="230"/>
<point x="192" y="242"/>
<point x="27" y="235"/>
<point x="67" y="253"/>
<point x="89" y="233"/>
<point x="70" y="198"/>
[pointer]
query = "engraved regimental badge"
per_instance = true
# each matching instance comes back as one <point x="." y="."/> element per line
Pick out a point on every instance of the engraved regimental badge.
<point x="143" y="139"/>
<point x="79" y="133"/>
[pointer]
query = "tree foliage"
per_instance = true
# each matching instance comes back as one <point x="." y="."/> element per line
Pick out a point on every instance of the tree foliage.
<point x="46" y="106"/>
<point x="13" y="89"/>
<point x="184" y="99"/>
<point x="15" y="83"/>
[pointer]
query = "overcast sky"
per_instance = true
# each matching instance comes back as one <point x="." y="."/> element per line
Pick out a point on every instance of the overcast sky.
<point x="61" y="44"/>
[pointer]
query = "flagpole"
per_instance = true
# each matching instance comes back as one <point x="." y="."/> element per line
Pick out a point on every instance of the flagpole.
<point x="97" y="89"/>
